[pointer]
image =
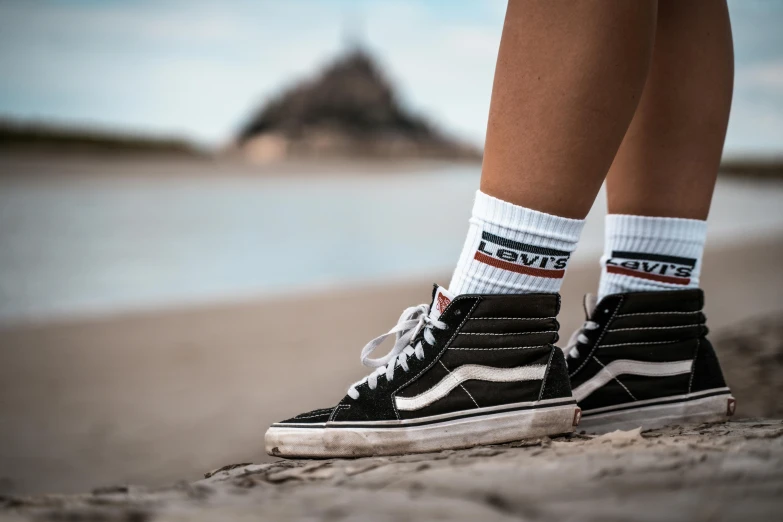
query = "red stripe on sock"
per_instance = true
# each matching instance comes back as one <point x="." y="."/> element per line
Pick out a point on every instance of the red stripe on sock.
<point x="520" y="269"/>
<point x="643" y="275"/>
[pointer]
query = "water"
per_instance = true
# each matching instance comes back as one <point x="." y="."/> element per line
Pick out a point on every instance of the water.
<point x="103" y="244"/>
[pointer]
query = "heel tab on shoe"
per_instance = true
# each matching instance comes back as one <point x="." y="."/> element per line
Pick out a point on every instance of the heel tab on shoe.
<point x="706" y="369"/>
<point x="556" y="382"/>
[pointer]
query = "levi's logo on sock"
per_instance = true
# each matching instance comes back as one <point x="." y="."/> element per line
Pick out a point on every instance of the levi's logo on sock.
<point x="655" y="267"/>
<point x="520" y="257"/>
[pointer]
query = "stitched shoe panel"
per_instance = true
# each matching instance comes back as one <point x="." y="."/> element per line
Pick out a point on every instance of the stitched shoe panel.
<point x="446" y="385"/>
<point x="637" y="357"/>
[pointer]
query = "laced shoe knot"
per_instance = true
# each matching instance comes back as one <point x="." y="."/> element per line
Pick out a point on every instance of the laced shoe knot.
<point x="414" y="320"/>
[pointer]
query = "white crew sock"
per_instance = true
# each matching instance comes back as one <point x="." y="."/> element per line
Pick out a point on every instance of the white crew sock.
<point x="513" y="250"/>
<point x="643" y="254"/>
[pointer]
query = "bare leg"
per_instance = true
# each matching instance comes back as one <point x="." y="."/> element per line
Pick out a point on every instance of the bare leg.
<point x="659" y="187"/>
<point x="668" y="161"/>
<point x="569" y="77"/>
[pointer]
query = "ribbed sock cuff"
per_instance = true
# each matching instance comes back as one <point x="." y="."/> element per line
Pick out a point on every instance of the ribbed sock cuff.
<point x="656" y="232"/>
<point x="518" y="221"/>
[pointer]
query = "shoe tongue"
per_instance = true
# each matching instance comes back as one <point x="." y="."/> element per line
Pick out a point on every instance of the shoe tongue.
<point x="440" y="300"/>
<point x="590" y="302"/>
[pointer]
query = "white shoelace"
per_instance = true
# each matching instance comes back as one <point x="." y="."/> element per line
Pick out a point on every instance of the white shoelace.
<point x="579" y="337"/>
<point x="411" y="322"/>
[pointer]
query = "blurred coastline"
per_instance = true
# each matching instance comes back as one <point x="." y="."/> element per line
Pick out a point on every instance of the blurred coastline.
<point x="24" y="142"/>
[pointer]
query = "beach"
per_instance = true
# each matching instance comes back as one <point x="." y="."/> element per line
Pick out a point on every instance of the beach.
<point x="151" y="398"/>
<point x="727" y="471"/>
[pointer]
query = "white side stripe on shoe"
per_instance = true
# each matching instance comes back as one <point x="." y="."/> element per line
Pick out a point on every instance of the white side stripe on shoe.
<point x="466" y="373"/>
<point x="626" y="367"/>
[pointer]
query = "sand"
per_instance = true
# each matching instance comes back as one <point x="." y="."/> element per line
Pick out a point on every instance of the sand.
<point x="730" y="471"/>
<point x="152" y="398"/>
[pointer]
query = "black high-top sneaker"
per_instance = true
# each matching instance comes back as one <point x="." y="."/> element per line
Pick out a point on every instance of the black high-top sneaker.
<point x="464" y="371"/>
<point x="642" y="359"/>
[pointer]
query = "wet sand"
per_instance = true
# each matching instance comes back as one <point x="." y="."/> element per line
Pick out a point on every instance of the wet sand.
<point x="152" y="398"/>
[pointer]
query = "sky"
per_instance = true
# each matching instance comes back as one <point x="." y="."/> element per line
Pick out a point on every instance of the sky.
<point x="198" y="69"/>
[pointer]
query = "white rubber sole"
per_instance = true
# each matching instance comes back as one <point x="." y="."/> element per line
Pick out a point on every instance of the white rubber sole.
<point x="345" y="439"/>
<point x="708" y="406"/>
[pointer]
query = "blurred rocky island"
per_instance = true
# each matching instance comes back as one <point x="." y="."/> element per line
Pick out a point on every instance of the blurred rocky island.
<point x="348" y="110"/>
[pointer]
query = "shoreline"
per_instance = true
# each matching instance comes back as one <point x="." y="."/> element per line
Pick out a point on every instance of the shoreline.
<point x="22" y="164"/>
<point x="575" y="284"/>
<point x="211" y="164"/>
<point x="581" y="272"/>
